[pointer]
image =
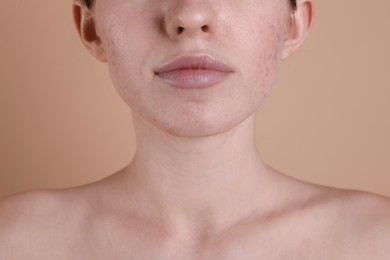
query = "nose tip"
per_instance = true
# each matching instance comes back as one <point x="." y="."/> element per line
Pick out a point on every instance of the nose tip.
<point x="189" y="17"/>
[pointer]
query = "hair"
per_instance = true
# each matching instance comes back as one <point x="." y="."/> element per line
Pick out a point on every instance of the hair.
<point x="89" y="3"/>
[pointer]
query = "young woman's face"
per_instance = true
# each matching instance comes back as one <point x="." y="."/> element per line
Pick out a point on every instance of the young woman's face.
<point x="193" y="67"/>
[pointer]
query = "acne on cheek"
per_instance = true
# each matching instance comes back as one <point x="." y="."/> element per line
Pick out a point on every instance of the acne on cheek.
<point x="114" y="44"/>
<point x="107" y="37"/>
<point x="112" y="31"/>
<point x="111" y="52"/>
<point x="268" y="61"/>
<point x="121" y="44"/>
<point x="115" y="63"/>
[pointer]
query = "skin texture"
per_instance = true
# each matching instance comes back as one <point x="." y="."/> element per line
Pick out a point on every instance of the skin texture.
<point x="197" y="187"/>
<point x="89" y="3"/>
<point x="197" y="113"/>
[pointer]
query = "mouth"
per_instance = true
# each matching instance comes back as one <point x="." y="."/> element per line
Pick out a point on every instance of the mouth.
<point x="194" y="71"/>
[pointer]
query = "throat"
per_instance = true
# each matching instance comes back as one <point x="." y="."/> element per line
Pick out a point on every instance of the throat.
<point x="192" y="202"/>
<point x="192" y="184"/>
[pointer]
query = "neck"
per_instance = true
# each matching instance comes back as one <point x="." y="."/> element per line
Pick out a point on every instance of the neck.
<point x="196" y="183"/>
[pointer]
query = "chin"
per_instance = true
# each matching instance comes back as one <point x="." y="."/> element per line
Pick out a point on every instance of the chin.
<point x="199" y="118"/>
<point x="196" y="126"/>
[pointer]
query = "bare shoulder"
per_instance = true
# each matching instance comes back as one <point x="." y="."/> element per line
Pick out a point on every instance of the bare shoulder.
<point x="338" y="223"/>
<point x="366" y="209"/>
<point x="361" y="221"/>
<point x="31" y="219"/>
<point x="371" y="212"/>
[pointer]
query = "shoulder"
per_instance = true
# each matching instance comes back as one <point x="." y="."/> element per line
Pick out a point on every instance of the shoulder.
<point x="343" y="224"/>
<point x="33" y="205"/>
<point x="360" y="221"/>
<point x="358" y="207"/>
<point x="369" y="215"/>
<point x="32" y="219"/>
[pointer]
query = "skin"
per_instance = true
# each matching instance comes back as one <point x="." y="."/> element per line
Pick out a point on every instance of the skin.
<point x="197" y="187"/>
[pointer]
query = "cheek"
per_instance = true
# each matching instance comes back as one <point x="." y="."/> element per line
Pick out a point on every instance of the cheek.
<point x="124" y="60"/>
<point x="269" y="60"/>
<point x="265" y="59"/>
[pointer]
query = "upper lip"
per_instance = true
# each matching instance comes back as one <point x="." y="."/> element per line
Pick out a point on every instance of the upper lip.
<point x="199" y="61"/>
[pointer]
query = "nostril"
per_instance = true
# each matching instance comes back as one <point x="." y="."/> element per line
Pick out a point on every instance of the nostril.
<point x="205" y="28"/>
<point x="180" y="29"/>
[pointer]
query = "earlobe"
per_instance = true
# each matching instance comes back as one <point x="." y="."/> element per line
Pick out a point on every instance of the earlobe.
<point x="301" y="21"/>
<point x="85" y="26"/>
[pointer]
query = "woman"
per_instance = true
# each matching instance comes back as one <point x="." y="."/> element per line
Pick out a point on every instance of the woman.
<point x="194" y="72"/>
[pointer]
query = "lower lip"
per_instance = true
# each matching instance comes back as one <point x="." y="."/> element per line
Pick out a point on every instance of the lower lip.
<point x="193" y="78"/>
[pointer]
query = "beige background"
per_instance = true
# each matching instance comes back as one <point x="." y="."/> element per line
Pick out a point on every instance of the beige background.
<point x="327" y="121"/>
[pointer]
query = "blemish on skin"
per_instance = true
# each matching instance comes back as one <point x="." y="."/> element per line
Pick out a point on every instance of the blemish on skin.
<point x="258" y="39"/>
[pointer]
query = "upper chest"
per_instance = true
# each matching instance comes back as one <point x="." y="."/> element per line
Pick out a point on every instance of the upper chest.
<point x="252" y="241"/>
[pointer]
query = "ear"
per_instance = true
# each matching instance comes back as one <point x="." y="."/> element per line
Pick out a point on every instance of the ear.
<point x="300" y="24"/>
<point x="85" y="25"/>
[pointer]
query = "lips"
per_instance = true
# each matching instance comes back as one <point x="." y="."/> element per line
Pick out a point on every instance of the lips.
<point x="194" y="71"/>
